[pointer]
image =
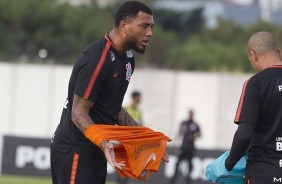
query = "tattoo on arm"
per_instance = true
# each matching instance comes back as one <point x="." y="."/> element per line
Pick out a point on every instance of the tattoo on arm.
<point x="80" y="113"/>
<point x="104" y="144"/>
<point x="125" y="119"/>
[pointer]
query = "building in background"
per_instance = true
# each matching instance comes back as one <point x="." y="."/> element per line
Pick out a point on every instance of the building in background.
<point x="100" y="3"/>
<point x="242" y="12"/>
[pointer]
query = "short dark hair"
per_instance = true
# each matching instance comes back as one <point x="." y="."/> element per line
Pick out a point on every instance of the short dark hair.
<point x="130" y="10"/>
<point x="135" y="93"/>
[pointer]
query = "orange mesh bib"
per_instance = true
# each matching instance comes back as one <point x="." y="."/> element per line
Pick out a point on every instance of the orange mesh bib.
<point x="141" y="148"/>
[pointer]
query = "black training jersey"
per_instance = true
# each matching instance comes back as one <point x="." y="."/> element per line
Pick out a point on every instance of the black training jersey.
<point x="189" y="130"/>
<point x="261" y="105"/>
<point x="100" y="75"/>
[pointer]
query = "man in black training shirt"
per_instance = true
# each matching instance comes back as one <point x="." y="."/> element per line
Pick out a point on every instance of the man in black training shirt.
<point x="259" y="114"/>
<point x="99" y="80"/>
<point x="190" y="131"/>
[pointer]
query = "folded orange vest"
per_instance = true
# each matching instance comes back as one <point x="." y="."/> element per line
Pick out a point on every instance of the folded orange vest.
<point x="141" y="148"/>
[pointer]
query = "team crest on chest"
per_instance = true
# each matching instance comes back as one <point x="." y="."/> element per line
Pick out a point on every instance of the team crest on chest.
<point x="128" y="71"/>
<point x="113" y="57"/>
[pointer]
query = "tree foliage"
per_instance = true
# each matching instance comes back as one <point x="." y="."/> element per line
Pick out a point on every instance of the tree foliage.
<point x="61" y="29"/>
<point x="181" y="41"/>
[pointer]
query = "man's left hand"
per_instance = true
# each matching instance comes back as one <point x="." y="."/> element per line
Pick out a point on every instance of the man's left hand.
<point x="165" y="156"/>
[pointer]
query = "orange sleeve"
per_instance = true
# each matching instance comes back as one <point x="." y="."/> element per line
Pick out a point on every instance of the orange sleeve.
<point x="94" y="134"/>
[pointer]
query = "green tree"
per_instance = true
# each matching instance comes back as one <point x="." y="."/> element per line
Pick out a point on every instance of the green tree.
<point x="183" y="23"/>
<point x="180" y="41"/>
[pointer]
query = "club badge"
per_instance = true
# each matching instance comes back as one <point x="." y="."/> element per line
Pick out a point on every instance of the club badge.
<point x="128" y="71"/>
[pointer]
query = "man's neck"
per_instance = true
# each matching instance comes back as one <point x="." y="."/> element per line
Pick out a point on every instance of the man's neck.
<point x="117" y="39"/>
<point x="134" y="105"/>
<point x="272" y="62"/>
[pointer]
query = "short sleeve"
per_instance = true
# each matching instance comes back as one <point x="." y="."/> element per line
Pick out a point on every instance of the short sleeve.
<point x="91" y="74"/>
<point x="198" y="129"/>
<point x="249" y="104"/>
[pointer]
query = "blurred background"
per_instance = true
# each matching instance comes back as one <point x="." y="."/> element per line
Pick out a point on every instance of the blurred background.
<point x="196" y="60"/>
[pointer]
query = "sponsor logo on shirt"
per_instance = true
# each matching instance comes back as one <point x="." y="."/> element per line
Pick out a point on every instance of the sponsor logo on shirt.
<point x="280" y="87"/>
<point x="277" y="180"/>
<point x="115" y="74"/>
<point x="52" y="139"/>
<point x="113" y="57"/>
<point x="66" y="104"/>
<point x="145" y="147"/>
<point x="278" y="143"/>
<point x="151" y="157"/>
<point x="128" y="71"/>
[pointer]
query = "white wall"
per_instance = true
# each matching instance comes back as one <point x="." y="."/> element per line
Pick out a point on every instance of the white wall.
<point x="32" y="97"/>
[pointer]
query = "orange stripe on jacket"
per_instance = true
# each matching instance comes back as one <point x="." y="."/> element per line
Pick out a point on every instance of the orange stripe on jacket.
<point x="141" y="148"/>
<point x="110" y="41"/>
<point x="74" y="168"/>
<point x="276" y="66"/>
<point x="238" y="113"/>
<point x="96" y="71"/>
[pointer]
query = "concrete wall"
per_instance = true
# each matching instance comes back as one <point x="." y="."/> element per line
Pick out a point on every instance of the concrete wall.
<point x="32" y="97"/>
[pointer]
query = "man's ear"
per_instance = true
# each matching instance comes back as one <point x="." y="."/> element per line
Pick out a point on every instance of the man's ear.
<point x="122" y="26"/>
<point x="253" y="57"/>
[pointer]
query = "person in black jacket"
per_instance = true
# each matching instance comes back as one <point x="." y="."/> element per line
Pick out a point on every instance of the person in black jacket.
<point x="98" y="82"/>
<point x="259" y="114"/>
<point x="190" y="131"/>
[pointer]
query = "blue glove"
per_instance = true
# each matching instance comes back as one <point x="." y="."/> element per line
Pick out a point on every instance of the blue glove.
<point x="217" y="173"/>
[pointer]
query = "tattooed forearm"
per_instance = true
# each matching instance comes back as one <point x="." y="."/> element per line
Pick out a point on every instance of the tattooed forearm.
<point x="104" y="144"/>
<point x="81" y="121"/>
<point x="125" y="119"/>
<point x="80" y="113"/>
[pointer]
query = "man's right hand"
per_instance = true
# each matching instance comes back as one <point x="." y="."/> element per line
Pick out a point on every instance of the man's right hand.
<point x="108" y="149"/>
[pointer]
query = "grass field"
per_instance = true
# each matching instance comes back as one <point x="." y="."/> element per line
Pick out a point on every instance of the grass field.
<point x="25" y="180"/>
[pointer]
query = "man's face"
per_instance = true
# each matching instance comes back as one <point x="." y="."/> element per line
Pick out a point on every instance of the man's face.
<point x="190" y="114"/>
<point x="139" y="31"/>
<point x="137" y="99"/>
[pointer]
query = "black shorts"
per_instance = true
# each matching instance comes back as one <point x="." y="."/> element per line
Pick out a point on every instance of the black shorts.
<point x="72" y="168"/>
